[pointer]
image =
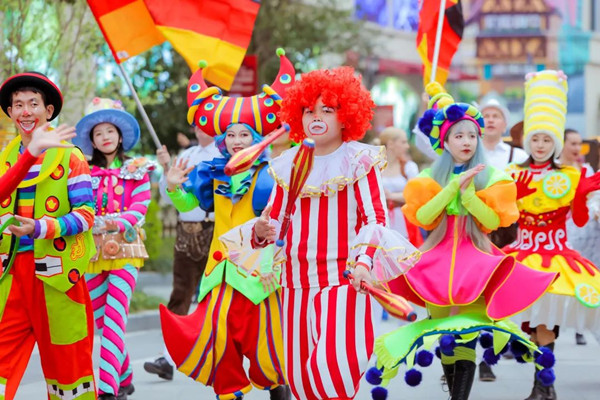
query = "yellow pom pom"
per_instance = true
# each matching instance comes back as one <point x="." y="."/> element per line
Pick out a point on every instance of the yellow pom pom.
<point x="445" y="101"/>
<point x="434" y="88"/>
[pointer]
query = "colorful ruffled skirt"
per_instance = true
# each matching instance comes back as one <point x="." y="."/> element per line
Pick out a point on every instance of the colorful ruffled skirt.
<point x="466" y="290"/>
<point x="573" y="300"/>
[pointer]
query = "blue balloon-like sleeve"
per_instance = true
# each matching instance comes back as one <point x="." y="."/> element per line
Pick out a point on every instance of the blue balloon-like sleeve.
<point x="200" y="184"/>
<point x="262" y="191"/>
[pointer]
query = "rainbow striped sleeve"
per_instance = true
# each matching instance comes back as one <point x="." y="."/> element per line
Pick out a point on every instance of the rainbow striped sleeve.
<point x="136" y="210"/>
<point x="81" y="198"/>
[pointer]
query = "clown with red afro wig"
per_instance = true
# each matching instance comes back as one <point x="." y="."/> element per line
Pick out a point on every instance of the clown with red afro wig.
<point x="338" y="88"/>
<point x="340" y="221"/>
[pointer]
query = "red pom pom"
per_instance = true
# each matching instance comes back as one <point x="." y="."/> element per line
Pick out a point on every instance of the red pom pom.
<point x="217" y="255"/>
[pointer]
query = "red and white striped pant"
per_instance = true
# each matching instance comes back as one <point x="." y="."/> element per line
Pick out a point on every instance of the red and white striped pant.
<point x="328" y="339"/>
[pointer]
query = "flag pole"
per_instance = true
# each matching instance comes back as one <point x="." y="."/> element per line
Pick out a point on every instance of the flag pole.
<point x="140" y="108"/>
<point x="438" y="40"/>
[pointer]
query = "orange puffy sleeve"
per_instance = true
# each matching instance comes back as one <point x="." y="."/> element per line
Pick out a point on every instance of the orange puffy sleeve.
<point x="502" y="198"/>
<point x="418" y="192"/>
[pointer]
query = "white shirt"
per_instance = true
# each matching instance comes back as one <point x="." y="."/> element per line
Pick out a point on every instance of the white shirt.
<point x="500" y="155"/>
<point x="396" y="184"/>
<point x="194" y="156"/>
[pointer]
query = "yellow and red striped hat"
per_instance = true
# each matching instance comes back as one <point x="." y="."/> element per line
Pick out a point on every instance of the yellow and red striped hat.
<point x="213" y="113"/>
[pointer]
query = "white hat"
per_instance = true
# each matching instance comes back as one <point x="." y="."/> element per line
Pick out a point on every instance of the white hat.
<point x="493" y="103"/>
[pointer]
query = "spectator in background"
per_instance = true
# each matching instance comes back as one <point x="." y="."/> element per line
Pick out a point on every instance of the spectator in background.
<point x="498" y="153"/>
<point x="184" y="142"/>
<point x="399" y="170"/>
<point x="585" y="239"/>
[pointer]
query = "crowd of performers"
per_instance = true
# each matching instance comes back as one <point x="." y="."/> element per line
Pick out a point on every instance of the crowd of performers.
<point x="479" y="239"/>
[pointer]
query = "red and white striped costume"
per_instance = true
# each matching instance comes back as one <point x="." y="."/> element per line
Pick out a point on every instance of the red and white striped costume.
<point x="328" y="327"/>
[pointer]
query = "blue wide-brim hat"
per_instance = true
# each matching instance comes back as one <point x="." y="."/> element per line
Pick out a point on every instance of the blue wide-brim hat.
<point x="106" y="111"/>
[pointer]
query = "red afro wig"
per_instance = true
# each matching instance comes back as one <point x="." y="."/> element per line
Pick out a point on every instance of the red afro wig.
<point x="338" y="88"/>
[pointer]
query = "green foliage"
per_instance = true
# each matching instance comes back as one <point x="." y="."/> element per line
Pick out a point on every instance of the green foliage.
<point x="466" y="96"/>
<point x="153" y="227"/>
<point x="50" y="36"/>
<point x="306" y="32"/>
<point x="163" y="261"/>
<point x="140" y="301"/>
<point x="160" y="77"/>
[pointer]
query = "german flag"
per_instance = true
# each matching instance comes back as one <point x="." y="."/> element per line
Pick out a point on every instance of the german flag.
<point x="217" y="31"/>
<point x="451" y="35"/>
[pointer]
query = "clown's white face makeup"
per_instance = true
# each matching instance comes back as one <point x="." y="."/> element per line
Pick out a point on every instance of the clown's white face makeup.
<point x="105" y="138"/>
<point x="237" y="137"/>
<point x="461" y="141"/>
<point x="542" y="147"/>
<point x="321" y="124"/>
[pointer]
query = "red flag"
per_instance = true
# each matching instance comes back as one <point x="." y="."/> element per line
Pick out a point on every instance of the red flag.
<point x="217" y="31"/>
<point x="451" y="35"/>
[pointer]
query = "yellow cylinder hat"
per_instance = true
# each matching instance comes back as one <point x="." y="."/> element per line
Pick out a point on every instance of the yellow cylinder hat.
<point x="545" y="107"/>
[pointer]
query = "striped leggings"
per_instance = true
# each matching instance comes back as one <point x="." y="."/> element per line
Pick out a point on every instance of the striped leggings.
<point x="111" y="293"/>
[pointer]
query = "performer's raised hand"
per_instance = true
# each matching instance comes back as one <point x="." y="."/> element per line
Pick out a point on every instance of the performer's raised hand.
<point x="27" y="226"/>
<point x="588" y="184"/>
<point x="466" y="178"/>
<point x="43" y="139"/>
<point x="522" y="181"/>
<point x="263" y="229"/>
<point x="178" y="174"/>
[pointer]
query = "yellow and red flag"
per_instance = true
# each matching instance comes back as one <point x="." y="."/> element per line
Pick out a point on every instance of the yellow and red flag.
<point x="451" y="35"/>
<point x="217" y="31"/>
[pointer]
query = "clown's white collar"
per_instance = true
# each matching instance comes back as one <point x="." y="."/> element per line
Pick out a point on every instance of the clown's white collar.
<point x="332" y="172"/>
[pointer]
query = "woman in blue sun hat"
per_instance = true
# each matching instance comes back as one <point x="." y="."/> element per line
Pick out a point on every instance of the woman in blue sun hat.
<point x="121" y="187"/>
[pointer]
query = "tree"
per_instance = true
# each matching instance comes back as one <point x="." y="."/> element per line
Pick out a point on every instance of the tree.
<point x="56" y="38"/>
<point x="160" y="77"/>
<point x="307" y="32"/>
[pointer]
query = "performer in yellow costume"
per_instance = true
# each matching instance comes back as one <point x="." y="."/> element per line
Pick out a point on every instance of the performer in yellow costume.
<point x="546" y="194"/>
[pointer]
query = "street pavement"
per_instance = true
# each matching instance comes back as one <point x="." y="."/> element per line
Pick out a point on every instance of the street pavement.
<point x="577" y="370"/>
